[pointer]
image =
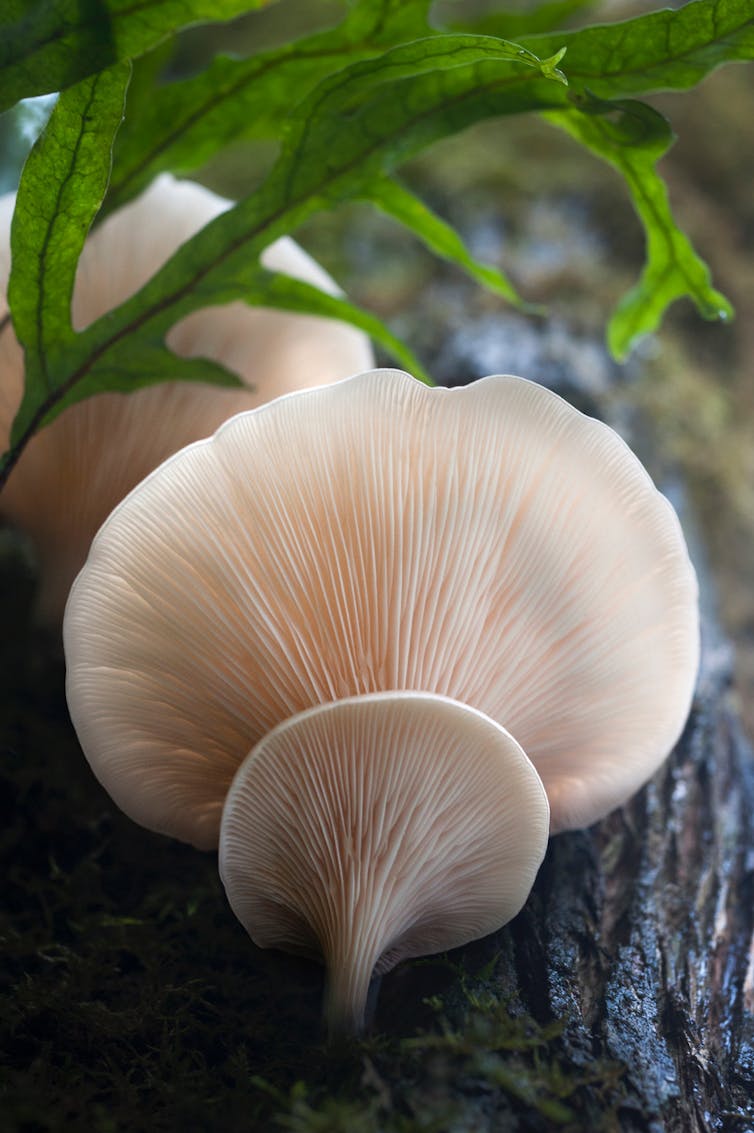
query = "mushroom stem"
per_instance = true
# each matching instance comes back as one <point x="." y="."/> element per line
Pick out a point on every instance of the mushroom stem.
<point x="349" y="976"/>
<point x="368" y="830"/>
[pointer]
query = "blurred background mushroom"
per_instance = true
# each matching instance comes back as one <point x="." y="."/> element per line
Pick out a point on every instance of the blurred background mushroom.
<point x="74" y="472"/>
<point x="490" y="544"/>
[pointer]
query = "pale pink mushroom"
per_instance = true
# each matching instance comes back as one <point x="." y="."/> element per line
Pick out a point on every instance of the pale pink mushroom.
<point x="489" y="544"/>
<point x="75" y="471"/>
<point x="369" y="830"/>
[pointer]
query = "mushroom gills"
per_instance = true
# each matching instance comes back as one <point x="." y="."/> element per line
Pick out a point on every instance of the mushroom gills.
<point x="368" y="830"/>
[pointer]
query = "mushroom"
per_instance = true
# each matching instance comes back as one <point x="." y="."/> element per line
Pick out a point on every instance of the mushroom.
<point x="372" y="829"/>
<point x="74" y="472"/>
<point x="487" y="544"/>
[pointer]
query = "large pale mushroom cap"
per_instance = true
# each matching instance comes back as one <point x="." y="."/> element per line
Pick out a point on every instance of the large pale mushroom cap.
<point x="490" y="544"/>
<point x="369" y="830"/>
<point x="74" y="472"/>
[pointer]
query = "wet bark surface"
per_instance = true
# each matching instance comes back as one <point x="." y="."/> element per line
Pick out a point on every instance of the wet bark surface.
<point x="640" y="931"/>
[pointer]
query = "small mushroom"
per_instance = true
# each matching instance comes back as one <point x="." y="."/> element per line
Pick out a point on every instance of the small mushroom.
<point x="74" y="472"/>
<point x="372" y="829"/>
<point x="489" y="544"/>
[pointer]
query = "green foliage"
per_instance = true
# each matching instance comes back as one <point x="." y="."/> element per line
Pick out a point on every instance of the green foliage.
<point x="64" y="183"/>
<point x="527" y="20"/>
<point x="397" y="201"/>
<point x="672" y="269"/>
<point x="180" y="125"/>
<point x="665" y="50"/>
<point x="347" y="107"/>
<point x="48" y="45"/>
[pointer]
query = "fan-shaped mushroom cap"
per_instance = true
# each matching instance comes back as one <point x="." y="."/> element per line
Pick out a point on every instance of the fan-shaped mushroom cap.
<point x="74" y="472"/>
<point x="372" y="829"/>
<point x="489" y="543"/>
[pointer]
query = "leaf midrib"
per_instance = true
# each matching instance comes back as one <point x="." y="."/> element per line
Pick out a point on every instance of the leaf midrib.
<point x="39" y="314"/>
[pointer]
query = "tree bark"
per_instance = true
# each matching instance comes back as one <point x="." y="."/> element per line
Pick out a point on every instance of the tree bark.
<point x="640" y="930"/>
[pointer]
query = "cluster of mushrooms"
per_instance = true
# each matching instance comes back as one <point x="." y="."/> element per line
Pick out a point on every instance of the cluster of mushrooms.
<point x="374" y="641"/>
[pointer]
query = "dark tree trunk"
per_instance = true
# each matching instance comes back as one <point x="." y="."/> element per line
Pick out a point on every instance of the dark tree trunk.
<point x="640" y="930"/>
